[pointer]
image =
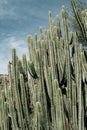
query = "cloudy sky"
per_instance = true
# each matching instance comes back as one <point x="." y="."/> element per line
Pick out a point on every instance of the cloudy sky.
<point x="18" y="19"/>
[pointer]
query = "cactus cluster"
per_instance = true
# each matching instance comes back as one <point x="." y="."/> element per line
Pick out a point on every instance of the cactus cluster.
<point x="48" y="91"/>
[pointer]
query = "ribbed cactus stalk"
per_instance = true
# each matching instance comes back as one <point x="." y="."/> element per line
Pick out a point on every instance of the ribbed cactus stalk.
<point x="38" y="116"/>
<point x="6" y="120"/>
<point x="68" y="64"/>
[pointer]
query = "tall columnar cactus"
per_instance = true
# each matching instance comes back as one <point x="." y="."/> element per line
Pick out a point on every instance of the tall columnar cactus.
<point x="49" y="91"/>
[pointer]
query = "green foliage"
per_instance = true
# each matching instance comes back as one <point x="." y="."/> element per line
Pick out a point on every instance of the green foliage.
<point x="78" y="21"/>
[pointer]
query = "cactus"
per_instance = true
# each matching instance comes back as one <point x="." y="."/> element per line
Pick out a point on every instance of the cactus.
<point x="48" y="91"/>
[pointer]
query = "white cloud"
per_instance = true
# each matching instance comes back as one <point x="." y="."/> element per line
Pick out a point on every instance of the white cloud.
<point x="20" y="45"/>
<point x="3" y="66"/>
<point x="12" y="42"/>
<point x="3" y="63"/>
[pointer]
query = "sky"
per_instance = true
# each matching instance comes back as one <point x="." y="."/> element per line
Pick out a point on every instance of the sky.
<point x="20" y="18"/>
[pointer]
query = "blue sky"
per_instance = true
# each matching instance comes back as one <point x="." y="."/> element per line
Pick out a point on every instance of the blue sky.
<point x="18" y="19"/>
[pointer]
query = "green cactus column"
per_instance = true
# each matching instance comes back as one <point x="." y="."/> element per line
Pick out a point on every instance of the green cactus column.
<point x="68" y="66"/>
